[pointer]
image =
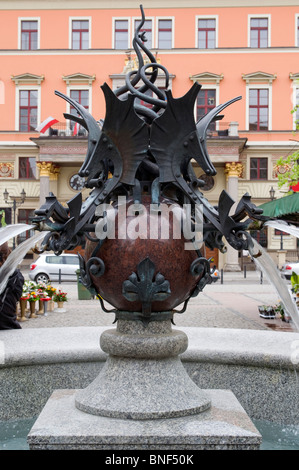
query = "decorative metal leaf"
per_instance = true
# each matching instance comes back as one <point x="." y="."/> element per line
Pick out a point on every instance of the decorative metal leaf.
<point x="145" y="287"/>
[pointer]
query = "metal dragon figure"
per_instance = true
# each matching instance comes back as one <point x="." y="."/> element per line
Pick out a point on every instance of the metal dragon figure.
<point x="144" y="154"/>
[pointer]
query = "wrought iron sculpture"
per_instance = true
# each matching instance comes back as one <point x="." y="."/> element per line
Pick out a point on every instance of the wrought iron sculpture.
<point x="143" y="154"/>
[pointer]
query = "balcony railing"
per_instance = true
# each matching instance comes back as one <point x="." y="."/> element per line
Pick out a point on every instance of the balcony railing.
<point x="61" y="129"/>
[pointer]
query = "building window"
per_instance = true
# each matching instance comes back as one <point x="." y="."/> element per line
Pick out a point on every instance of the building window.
<point x="206" y="100"/>
<point x="260" y="236"/>
<point x="80" y="34"/>
<point x="27" y="168"/>
<point x="259" y="168"/>
<point x="259" y="32"/>
<point x="280" y="233"/>
<point x="258" y="109"/>
<point x="29" y="35"/>
<point x="206" y="33"/>
<point x="297" y="109"/>
<point x="28" y="100"/>
<point x="148" y="30"/>
<point x="164" y="34"/>
<point x="121" y="34"/>
<point x="82" y="97"/>
<point x="25" y="216"/>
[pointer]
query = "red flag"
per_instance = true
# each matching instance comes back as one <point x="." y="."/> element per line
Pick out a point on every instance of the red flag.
<point x="46" y="124"/>
<point x="76" y="129"/>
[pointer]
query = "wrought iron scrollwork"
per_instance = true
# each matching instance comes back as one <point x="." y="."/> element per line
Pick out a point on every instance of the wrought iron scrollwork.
<point x="93" y="267"/>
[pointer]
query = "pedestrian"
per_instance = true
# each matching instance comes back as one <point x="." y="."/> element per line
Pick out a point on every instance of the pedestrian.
<point x="11" y="294"/>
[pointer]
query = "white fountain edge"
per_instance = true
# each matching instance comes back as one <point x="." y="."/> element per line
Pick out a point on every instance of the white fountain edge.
<point x="215" y="345"/>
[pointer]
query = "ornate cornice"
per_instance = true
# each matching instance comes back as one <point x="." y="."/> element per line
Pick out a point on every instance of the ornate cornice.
<point x="259" y="77"/>
<point x="78" y="78"/>
<point x="26" y="78"/>
<point x="207" y="77"/>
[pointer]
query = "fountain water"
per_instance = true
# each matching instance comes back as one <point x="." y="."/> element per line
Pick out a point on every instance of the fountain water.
<point x="283" y="226"/>
<point x="265" y="263"/>
<point x="11" y="231"/>
<point x="17" y="255"/>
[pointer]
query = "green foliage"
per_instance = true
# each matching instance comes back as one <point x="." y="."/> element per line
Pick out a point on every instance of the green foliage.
<point x="289" y="164"/>
<point x="291" y="175"/>
<point x="295" y="282"/>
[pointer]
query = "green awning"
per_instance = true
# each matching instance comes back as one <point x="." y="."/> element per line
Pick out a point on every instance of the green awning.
<point x="286" y="207"/>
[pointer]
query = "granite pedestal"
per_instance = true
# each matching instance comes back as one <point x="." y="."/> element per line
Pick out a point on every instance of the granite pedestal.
<point x="225" y="425"/>
<point x="143" y="399"/>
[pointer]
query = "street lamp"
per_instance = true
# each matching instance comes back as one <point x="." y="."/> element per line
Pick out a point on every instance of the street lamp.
<point x="14" y="203"/>
<point x="272" y="193"/>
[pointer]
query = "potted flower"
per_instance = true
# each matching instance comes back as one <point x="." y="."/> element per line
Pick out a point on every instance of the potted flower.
<point x="60" y="297"/>
<point x="32" y="299"/>
<point x="266" y="311"/>
<point x="23" y="304"/>
<point x="278" y="308"/>
<point x="41" y="294"/>
<point x="43" y="303"/>
<point x="50" y="290"/>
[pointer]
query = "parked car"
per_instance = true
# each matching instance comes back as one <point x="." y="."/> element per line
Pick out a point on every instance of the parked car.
<point x="288" y="268"/>
<point x="46" y="268"/>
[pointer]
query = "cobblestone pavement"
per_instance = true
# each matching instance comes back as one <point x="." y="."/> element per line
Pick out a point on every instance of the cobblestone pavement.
<point x="231" y="304"/>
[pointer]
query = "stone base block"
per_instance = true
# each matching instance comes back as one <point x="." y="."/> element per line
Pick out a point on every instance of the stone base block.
<point x="225" y="425"/>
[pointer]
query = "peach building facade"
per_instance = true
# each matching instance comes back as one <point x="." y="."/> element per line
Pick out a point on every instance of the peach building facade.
<point x="231" y="48"/>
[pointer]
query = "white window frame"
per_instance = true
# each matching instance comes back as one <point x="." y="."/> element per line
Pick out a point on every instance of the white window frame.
<point x="137" y="18"/>
<point x="71" y="87"/>
<point x="296" y="28"/>
<point x="79" y="18"/>
<point x="25" y="87"/>
<point x="262" y="15"/>
<point x="206" y="17"/>
<point x="295" y="86"/>
<point x="121" y="18"/>
<point x="210" y="86"/>
<point x="158" y="18"/>
<point x="268" y="167"/>
<point x="259" y="86"/>
<point x="28" y="18"/>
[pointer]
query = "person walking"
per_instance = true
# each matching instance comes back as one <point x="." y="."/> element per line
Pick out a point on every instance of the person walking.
<point x="11" y="294"/>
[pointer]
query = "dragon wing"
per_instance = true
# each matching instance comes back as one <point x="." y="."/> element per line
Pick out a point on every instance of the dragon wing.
<point x="89" y="123"/>
<point x="173" y="135"/>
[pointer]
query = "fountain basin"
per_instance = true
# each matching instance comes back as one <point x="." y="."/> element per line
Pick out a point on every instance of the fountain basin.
<point x="259" y="367"/>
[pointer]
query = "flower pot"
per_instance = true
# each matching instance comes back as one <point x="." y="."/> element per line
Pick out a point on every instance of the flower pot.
<point x="32" y="310"/>
<point x="60" y="307"/>
<point x="40" y="308"/>
<point x="267" y="312"/>
<point x="46" y="303"/>
<point x="23" y="305"/>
